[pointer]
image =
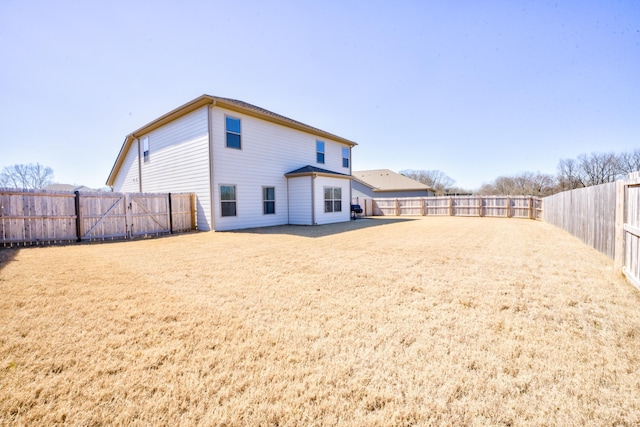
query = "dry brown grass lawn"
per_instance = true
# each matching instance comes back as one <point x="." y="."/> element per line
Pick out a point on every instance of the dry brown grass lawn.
<point x="433" y="321"/>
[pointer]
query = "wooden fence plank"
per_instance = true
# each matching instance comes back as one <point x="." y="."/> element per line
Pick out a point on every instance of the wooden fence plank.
<point x="28" y="217"/>
<point x="149" y="214"/>
<point x="605" y="217"/>
<point x="181" y="211"/>
<point x="41" y="217"/>
<point x="492" y="206"/>
<point x="587" y="213"/>
<point x="101" y="218"/>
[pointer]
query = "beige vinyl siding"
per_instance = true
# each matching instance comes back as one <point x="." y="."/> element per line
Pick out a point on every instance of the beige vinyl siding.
<point x="300" y="200"/>
<point x="322" y="217"/>
<point x="268" y="152"/>
<point x="128" y="177"/>
<point x="179" y="161"/>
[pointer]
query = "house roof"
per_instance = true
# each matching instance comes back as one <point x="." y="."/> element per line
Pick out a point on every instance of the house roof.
<point x="67" y="187"/>
<point x="387" y="180"/>
<point x="312" y="170"/>
<point x="228" y="103"/>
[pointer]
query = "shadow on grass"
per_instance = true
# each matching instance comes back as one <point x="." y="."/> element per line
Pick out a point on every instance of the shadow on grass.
<point x="7" y="255"/>
<point x="314" y="231"/>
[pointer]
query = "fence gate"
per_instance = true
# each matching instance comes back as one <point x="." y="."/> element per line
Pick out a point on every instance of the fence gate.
<point x="148" y="214"/>
<point x="122" y="215"/>
<point x="102" y="216"/>
<point x="44" y="217"/>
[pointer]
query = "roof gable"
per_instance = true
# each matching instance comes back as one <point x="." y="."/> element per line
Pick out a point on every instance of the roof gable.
<point x="227" y="103"/>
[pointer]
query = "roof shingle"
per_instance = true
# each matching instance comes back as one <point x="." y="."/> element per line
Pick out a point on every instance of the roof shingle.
<point x="313" y="169"/>
<point x="388" y="180"/>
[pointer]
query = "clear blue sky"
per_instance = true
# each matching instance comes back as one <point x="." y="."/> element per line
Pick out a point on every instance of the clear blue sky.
<point x="476" y="89"/>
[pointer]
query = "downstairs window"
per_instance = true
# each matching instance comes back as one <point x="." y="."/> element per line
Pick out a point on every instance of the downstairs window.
<point x="332" y="199"/>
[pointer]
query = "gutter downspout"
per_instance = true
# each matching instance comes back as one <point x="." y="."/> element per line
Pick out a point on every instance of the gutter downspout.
<point x="313" y="199"/>
<point x="350" y="179"/>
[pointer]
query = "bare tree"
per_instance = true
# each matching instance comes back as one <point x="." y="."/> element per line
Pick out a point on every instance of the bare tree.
<point x="524" y="184"/>
<point x="503" y="185"/>
<point x="569" y="175"/>
<point x="543" y="185"/>
<point x="435" y="179"/>
<point x="630" y="161"/>
<point x="26" y="176"/>
<point x="598" y="168"/>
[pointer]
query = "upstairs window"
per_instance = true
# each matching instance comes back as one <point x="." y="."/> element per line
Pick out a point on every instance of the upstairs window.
<point x="228" y="200"/>
<point x="332" y="199"/>
<point x="233" y="133"/>
<point x="319" y="152"/>
<point x="145" y="148"/>
<point x="345" y="157"/>
<point x="268" y="200"/>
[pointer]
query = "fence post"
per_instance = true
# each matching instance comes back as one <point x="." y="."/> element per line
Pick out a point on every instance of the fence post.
<point x="397" y="207"/>
<point x="194" y="217"/>
<point x="508" y="206"/>
<point x="530" y="207"/>
<point x="618" y="243"/>
<point x="450" y="206"/>
<point x="480" y="206"/>
<point x="170" y="214"/>
<point x="78" y="216"/>
<point x="422" y="206"/>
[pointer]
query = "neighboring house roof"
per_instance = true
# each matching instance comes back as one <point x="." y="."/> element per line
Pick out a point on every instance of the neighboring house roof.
<point x="312" y="170"/>
<point x="230" y="104"/>
<point x="387" y="180"/>
<point x="67" y="187"/>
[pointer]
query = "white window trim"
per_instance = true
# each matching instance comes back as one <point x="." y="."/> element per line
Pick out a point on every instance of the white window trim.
<point x="228" y="201"/>
<point x="324" y="152"/>
<point x="232" y="132"/>
<point x="348" y="158"/>
<point x="264" y="200"/>
<point x="333" y="199"/>
<point x="145" y="149"/>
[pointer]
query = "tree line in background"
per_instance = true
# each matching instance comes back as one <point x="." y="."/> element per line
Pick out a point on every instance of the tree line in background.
<point x="584" y="171"/>
<point x="32" y="177"/>
<point x="435" y="179"/>
<point x="596" y="168"/>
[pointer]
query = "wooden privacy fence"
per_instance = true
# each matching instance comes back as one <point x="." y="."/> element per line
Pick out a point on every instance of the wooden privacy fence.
<point x="492" y="206"/>
<point x="606" y="217"/>
<point x="42" y="217"/>
<point x="587" y="213"/>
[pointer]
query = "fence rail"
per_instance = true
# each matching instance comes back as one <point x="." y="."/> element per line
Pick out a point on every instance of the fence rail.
<point x="43" y="217"/>
<point x="491" y="206"/>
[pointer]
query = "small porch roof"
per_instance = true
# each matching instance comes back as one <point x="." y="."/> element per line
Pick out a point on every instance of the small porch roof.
<point x="315" y="171"/>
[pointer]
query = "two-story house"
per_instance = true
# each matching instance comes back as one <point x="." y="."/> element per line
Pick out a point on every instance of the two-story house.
<point x="249" y="167"/>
